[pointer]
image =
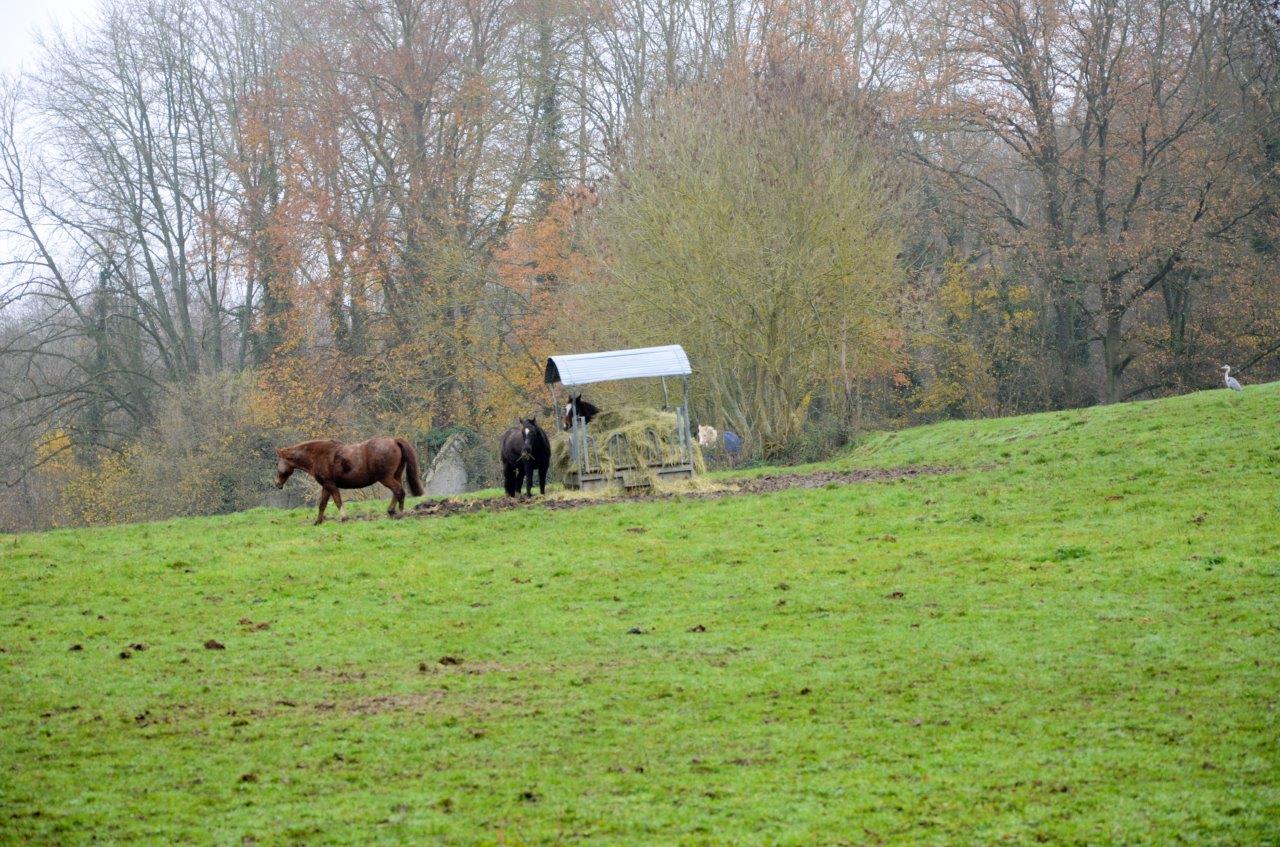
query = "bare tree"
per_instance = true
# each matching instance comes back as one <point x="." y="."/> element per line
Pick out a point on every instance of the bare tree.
<point x="1120" y="165"/>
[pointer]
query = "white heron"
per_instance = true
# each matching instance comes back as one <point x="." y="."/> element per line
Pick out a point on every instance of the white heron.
<point x="1228" y="379"/>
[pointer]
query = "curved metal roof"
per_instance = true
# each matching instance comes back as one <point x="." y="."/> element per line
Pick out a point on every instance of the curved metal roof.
<point x="586" y="368"/>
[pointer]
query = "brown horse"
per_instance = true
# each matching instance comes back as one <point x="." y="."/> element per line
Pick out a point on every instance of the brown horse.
<point x="336" y="465"/>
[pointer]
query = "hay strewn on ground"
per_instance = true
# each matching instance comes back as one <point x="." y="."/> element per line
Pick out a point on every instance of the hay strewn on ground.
<point x="647" y="436"/>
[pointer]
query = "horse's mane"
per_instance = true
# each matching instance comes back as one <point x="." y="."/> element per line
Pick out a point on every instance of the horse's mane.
<point x="309" y="451"/>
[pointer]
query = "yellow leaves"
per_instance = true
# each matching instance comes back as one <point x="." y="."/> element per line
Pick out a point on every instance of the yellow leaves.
<point x="209" y="452"/>
<point x="301" y="393"/>
<point x="980" y="293"/>
<point x="54" y="445"/>
<point x="963" y="383"/>
<point x="106" y="493"/>
<point x="986" y="325"/>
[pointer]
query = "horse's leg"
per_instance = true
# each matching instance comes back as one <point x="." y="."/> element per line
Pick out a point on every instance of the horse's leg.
<point x="542" y="480"/>
<point x="399" y="478"/>
<point x="528" y="479"/>
<point x="324" y="501"/>
<point x="342" y="510"/>
<point x="397" y="494"/>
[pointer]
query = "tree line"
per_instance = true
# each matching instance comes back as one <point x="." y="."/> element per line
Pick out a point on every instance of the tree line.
<point x="232" y="223"/>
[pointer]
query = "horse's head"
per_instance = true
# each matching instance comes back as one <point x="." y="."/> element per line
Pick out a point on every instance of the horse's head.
<point x="284" y="467"/>
<point x="582" y="408"/>
<point x="529" y="431"/>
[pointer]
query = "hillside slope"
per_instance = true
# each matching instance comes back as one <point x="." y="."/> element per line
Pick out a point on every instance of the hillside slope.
<point x="1071" y="638"/>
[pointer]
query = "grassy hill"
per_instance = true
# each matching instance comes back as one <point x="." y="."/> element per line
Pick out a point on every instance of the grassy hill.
<point x="1071" y="638"/>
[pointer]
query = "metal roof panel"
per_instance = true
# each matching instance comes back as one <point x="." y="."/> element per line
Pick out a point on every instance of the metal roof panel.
<point x="586" y="368"/>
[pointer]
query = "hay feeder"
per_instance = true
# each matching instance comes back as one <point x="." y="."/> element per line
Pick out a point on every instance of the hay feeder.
<point x="632" y="454"/>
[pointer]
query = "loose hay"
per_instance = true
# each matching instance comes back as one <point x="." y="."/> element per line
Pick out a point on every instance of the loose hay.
<point x="628" y="441"/>
<point x="698" y="486"/>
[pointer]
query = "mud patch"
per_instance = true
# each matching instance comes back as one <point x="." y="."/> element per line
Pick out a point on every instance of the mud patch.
<point x="767" y="484"/>
<point x="771" y="483"/>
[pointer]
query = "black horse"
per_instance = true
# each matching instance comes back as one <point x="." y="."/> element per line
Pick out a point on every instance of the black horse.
<point x="584" y="409"/>
<point x="525" y="448"/>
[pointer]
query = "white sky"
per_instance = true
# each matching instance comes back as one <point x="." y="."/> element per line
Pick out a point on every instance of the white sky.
<point x="21" y="19"/>
<point x="19" y="22"/>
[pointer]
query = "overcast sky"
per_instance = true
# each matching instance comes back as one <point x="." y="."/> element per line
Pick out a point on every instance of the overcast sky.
<point x="20" y="19"/>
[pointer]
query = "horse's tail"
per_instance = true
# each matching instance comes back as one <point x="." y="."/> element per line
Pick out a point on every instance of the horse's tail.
<point x="410" y="457"/>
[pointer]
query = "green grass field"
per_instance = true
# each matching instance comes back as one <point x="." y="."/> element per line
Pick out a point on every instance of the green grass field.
<point x="1073" y="638"/>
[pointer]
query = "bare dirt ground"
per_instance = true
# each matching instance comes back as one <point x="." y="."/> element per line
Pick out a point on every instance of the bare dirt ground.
<point x="766" y="484"/>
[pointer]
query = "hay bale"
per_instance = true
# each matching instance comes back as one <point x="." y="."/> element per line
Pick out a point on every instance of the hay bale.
<point x="628" y="440"/>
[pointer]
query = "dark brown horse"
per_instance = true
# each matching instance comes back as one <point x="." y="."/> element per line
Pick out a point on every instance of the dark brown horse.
<point x="336" y="465"/>
<point x="581" y="408"/>
<point x="525" y="449"/>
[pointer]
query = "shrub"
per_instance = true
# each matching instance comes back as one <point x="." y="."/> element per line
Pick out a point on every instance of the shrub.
<point x="208" y="453"/>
